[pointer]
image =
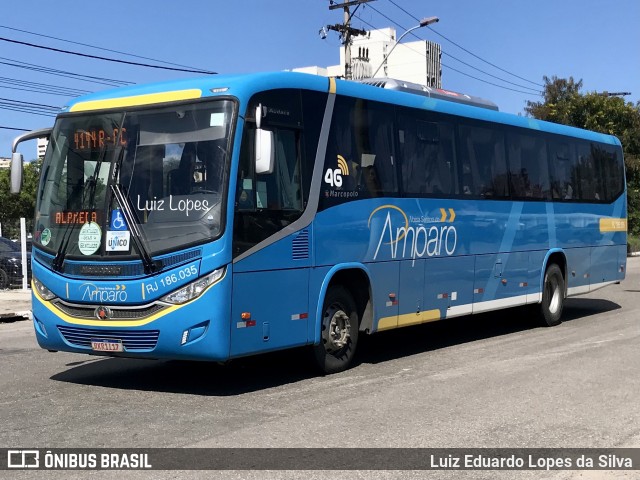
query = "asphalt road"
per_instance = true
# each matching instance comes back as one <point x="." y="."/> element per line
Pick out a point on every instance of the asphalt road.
<point x="492" y="380"/>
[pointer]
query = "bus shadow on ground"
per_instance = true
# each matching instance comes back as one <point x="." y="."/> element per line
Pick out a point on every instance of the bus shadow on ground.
<point x="275" y="369"/>
<point x="470" y="328"/>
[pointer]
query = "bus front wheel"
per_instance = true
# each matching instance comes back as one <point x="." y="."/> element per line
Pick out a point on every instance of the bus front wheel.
<point x="339" y="335"/>
<point x="552" y="296"/>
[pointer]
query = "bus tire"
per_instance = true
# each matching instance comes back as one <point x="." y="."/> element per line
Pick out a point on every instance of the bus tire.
<point x="552" y="296"/>
<point x="339" y="334"/>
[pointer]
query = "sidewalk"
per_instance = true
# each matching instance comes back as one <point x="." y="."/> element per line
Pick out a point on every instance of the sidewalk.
<point x="15" y="303"/>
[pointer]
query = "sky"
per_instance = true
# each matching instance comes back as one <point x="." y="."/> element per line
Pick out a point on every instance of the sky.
<point x="516" y="41"/>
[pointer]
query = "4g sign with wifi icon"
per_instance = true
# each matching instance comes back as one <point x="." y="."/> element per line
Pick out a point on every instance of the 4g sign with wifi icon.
<point x="334" y="176"/>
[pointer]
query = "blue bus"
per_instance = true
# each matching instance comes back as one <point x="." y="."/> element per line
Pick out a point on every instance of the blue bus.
<point x="214" y="218"/>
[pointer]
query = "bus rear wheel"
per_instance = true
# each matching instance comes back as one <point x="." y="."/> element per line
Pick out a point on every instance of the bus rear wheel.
<point x="552" y="296"/>
<point x="339" y="335"/>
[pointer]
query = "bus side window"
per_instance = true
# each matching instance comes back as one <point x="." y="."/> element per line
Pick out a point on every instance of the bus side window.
<point x="564" y="171"/>
<point x="267" y="203"/>
<point x="245" y="188"/>
<point x="427" y="155"/>
<point x="528" y="166"/>
<point x="359" y="162"/>
<point x="609" y="168"/>
<point x="589" y="182"/>
<point x="281" y="189"/>
<point x="483" y="151"/>
<point x="373" y="142"/>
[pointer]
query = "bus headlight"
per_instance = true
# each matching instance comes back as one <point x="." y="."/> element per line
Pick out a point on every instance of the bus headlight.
<point x="43" y="291"/>
<point x="194" y="289"/>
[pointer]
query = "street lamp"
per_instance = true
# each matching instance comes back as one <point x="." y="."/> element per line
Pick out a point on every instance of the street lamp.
<point x="423" y="23"/>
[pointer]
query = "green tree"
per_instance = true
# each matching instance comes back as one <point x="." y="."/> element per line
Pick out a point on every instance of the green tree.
<point x="559" y="95"/>
<point x="12" y="207"/>
<point x="564" y="103"/>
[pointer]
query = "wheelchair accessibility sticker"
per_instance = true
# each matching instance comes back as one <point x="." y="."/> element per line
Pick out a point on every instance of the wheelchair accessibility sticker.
<point x="118" y="223"/>
<point x="118" y="236"/>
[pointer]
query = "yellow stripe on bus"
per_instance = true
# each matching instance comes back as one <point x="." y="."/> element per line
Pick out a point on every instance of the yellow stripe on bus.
<point x="136" y="100"/>
<point x="332" y="85"/>
<point x="387" y="323"/>
<point x="117" y="323"/>
<point x="103" y="323"/>
<point x="613" y="225"/>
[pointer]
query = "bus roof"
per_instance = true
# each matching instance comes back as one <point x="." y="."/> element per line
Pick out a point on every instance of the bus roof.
<point x="243" y="86"/>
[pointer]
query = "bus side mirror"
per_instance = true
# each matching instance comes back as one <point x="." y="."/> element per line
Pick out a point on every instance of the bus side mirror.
<point x="16" y="157"/>
<point x="16" y="172"/>
<point x="265" y="151"/>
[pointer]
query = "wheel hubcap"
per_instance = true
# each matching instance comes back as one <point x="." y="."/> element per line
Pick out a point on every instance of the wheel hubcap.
<point x="337" y="329"/>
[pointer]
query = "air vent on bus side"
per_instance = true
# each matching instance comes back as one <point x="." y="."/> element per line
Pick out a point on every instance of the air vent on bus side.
<point x="300" y="245"/>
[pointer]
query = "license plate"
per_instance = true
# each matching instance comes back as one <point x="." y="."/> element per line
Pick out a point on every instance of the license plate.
<point x="107" y="345"/>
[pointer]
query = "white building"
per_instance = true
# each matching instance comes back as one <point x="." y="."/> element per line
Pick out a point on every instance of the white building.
<point x="415" y="62"/>
<point x="42" y="147"/>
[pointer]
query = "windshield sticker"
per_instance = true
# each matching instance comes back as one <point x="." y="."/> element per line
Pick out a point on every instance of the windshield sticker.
<point x="45" y="237"/>
<point x="118" y="241"/>
<point x="217" y="120"/>
<point x="89" y="238"/>
<point x="117" y="221"/>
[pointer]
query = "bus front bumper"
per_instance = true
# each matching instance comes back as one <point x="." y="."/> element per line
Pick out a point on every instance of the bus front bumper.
<point x="196" y="330"/>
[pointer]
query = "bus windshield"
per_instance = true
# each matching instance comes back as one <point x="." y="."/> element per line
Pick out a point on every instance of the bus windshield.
<point x="170" y="164"/>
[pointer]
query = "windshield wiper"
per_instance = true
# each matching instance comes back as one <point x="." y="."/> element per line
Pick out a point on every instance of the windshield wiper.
<point x="58" y="260"/>
<point x="136" y="234"/>
<point x="123" y="201"/>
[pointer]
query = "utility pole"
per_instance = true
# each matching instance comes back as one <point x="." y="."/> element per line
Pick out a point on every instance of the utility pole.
<point x="346" y="31"/>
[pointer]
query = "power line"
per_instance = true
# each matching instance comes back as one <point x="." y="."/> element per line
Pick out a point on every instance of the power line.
<point x="34" y="90"/>
<point x="95" y="46"/>
<point x="454" y="69"/>
<point x="457" y="59"/>
<point x="14" y="128"/>
<point x="86" y="55"/>
<point x="52" y="107"/>
<point x="467" y="51"/>
<point x="63" y="73"/>
<point x="28" y="107"/>
<point x="32" y="111"/>
<point x="44" y="87"/>
<point x="532" y="92"/>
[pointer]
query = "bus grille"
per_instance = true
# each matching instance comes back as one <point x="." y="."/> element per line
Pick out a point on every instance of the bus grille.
<point x="131" y="339"/>
<point x="88" y="312"/>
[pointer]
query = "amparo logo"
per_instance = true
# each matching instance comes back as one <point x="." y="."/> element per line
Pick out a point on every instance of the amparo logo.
<point x="93" y="293"/>
<point x="411" y="237"/>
